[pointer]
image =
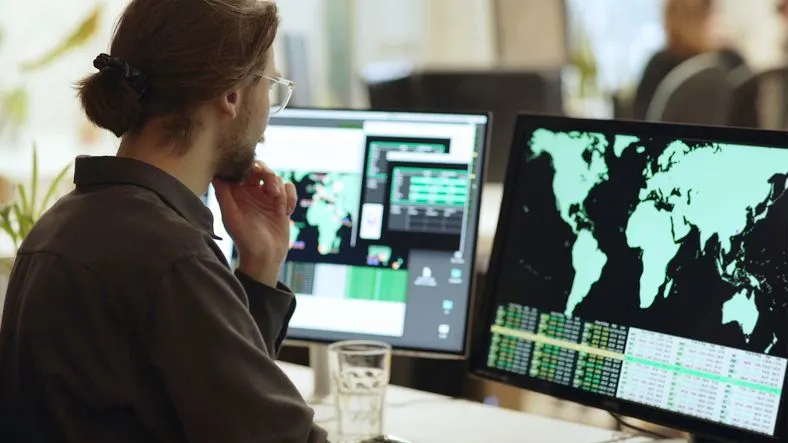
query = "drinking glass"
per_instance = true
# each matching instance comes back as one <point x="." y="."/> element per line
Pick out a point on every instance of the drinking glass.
<point x="360" y="372"/>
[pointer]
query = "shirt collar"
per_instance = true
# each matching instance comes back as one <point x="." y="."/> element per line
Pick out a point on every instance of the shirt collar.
<point x="110" y="170"/>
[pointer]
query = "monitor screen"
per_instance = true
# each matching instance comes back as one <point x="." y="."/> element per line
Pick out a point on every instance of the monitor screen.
<point x="643" y="268"/>
<point x="383" y="235"/>
<point x="223" y="239"/>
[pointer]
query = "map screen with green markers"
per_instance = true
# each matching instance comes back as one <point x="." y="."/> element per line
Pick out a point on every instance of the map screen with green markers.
<point x="648" y="269"/>
<point x="379" y="240"/>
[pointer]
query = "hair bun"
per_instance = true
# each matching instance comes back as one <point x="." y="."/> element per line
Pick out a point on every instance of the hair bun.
<point x="135" y="78"/>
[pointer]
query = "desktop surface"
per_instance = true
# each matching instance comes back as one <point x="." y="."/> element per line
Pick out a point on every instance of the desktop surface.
<point x="383" y="238"/>
<point x="424" y="417"/>
<point x="642" y="268"/>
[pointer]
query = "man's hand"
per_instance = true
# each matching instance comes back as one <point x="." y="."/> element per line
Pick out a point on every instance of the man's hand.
<point x="256" y="213"/>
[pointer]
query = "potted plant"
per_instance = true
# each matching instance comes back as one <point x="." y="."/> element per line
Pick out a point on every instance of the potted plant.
<point x="18" y="215"/>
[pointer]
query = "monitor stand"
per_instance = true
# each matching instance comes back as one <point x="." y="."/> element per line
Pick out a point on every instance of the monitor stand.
<point x="318" y="361"/>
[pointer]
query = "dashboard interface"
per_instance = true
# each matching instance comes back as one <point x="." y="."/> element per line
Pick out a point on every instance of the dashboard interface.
<point x="643" y="268"/>
<point x="381" y="241"/>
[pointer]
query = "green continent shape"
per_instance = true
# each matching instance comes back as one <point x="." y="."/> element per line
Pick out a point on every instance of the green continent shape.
<point x="336" y="197"/>
<point x="693" y="179"/>
<point x="622" y="143"/>
<point x="579" y="164"/>
<point x="383" y="253"/>
<point x="651" y="230"/>
<point x="574" y="176"/>
<point x="720" y="190"/>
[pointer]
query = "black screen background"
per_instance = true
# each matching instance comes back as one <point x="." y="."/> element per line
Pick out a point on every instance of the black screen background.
<point x="531" y="261"/>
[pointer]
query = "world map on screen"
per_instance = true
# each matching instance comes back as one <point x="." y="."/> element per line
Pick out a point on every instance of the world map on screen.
<point x="327" y="207"/>
<point x="720" y="193"/>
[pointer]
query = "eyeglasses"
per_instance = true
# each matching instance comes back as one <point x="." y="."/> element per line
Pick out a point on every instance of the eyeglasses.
<point x="280" y="92"/>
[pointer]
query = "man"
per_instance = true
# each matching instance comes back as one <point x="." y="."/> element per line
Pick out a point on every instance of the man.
<point x="123" y="322"/>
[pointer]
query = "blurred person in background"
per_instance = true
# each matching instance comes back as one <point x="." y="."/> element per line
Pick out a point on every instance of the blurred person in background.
<point x="691" y="28"/>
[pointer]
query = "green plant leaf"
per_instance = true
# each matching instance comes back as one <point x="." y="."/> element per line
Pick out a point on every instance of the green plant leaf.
<point x="6" y="226"/>
<point x="23" y="201"/>
<point x="24" y="221"/>
<point x="34" y="182"/>
<point x="5" y="213"/>
<point x="16" y="210"/>
<point x="14" y="108"/>
<point x="52" y="190"/>
<point x="25" y="226"/>
<point x="79" y="36"/>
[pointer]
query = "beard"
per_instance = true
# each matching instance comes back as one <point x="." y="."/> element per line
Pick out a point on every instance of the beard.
<point x="237" y="151"/>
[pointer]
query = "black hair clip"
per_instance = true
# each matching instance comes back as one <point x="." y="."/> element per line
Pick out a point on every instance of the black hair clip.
<point x="133" y="76"/>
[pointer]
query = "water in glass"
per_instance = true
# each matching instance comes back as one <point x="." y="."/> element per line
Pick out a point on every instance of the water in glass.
<point x="360" y="397"/>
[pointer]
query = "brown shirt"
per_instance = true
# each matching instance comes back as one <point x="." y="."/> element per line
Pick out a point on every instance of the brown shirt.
<point x="123" y="323"/>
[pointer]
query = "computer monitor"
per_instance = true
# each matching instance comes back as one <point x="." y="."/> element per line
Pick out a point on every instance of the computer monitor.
<point x="223" y="239"/>
<point x="642" y="268"/>
<point x="383" y="239"/>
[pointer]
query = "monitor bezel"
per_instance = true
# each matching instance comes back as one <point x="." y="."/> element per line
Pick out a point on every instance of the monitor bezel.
<point x="409" y="351"/>
<point x="525" y="125"/>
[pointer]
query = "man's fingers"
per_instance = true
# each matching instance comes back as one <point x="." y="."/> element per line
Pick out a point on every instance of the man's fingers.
<point x="224" y="196"/>
<point x="292" y="197"/>
<point x="261" y="172"/>
<point x="281" y="197"/>
<point x="273" y="185"/>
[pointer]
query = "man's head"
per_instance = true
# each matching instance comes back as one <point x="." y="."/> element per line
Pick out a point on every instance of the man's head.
<point x="690" y="26"/>
<point x="189" y="70"/>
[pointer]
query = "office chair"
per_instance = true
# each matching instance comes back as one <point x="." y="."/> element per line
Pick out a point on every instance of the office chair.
<point x="760" y="100"/>
<point x="697" y="91"/>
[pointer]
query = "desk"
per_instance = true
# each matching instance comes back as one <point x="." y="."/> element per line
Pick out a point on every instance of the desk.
<point x="430" y="418"/>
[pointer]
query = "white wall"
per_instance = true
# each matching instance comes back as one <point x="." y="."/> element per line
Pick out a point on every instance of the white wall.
<point x="459" y="33"/>
<point x="305" y="17"/>
<point x="531" y="34"/>
<point x="426" y="32"/>
<point x="389" y="30"/>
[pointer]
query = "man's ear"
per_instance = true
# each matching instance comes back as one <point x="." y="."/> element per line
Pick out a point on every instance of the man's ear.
<point x="229" y="103"/>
